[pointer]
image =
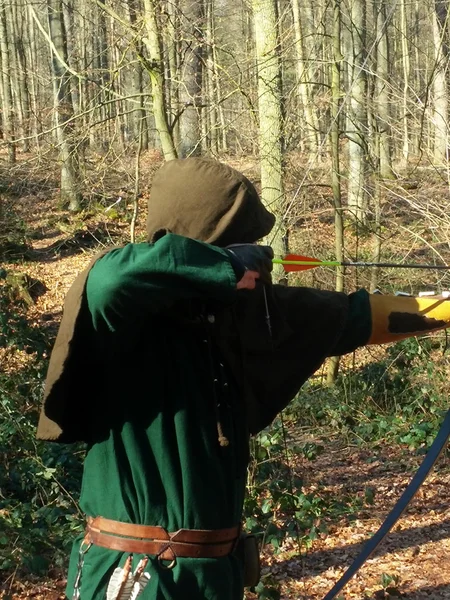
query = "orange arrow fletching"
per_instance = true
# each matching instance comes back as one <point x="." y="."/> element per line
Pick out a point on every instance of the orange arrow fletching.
<point x="311" y="263"/>
<point x="296" y="262"/>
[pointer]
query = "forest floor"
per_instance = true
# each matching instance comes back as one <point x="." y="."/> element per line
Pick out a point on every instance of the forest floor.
<point x="414" y="560"/>
<point x="416" y="555"/>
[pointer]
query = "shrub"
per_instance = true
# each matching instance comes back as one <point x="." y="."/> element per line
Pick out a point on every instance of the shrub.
<point x="38" y="504"/>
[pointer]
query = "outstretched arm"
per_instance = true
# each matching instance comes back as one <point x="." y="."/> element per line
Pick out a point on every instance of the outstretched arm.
<point x="399" y="317"/>
<point x="144" y="279"/>
<point x="380" y="319"/>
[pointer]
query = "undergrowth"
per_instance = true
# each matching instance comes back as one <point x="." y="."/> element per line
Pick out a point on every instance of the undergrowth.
<point x="38" y="482"/>
<point x="401" y="398"/>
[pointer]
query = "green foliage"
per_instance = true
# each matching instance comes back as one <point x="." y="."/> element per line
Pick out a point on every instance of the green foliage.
<point x="310" y="450"/>
<point x="276" y="506"/>
<point x="388" y="580"/>
<point x="267" y="591"/>
<point x="15" y="329"/>
<point x="38" y="510"/>
<point x="390" y="585"/>
<point x="13" y="243"/>
<point x="400" y="399"/>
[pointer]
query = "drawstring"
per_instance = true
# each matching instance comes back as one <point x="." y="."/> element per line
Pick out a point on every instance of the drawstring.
<point x="268" y="319"/>
<point x="223" y="440"/>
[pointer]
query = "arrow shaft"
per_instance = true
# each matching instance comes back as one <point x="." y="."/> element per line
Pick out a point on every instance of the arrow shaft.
<point x="397" y="265"/>
<point x="336" y="263"/>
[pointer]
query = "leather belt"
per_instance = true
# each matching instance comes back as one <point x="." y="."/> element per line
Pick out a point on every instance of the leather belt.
<point x="148" y="539"/>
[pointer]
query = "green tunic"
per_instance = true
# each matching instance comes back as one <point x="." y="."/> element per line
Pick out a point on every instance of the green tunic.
<point x="164" y="384"/>
<point x="156" y="458"/>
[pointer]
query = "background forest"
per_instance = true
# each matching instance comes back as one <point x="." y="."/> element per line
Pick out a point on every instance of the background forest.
<point x="338" y="111"/>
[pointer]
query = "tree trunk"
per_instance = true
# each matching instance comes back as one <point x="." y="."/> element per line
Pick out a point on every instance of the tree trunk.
<point x="209" y="84"/>
<point x="381" y="94"/>
<point x="270" y="117"/>
<point x="304" y="87"/>
<point x="136" y="116"/>
<point x="406" y="74"/>
<point x="171" y="44"/>
<point x="33" y="83"/>
<point x="99" y="94"/>
<point x="378" y="238"/>
<point x="16" y="70"/>
<point x="19" y="21"/>
<point x="357" y="116"/>
<point x="70" y="193"/>
<point x="7" y="98"/>
<point x="333" y="366"/>
<point x="440" y="91"/>
<point x="192" y="23"/>
<point x="156" y="71"/>
<point x="223" y="144"/>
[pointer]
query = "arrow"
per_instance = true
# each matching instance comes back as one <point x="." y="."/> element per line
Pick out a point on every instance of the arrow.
<point x="295" y="262"/>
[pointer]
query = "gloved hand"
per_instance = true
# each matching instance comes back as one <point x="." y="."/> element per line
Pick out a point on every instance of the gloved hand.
<point x="252" y="257"/>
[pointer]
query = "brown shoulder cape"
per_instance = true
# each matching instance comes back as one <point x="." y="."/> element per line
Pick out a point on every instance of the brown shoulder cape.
<point x="64" y="411"/>
<point x="269" y="367"/>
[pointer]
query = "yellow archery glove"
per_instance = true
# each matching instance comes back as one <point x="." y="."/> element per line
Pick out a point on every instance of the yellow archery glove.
<point x="399" y="317"/>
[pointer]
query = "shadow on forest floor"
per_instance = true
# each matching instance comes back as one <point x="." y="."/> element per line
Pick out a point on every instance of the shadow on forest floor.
<point x="318" y="561"/>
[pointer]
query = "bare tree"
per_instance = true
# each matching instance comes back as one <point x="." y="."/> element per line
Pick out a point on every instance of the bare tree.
<point x="440" y="16"/>
<point x="155" y="68"/>
<point x="405" y="61"/>
<point x="303" y="31"/>
<point x="266" y="25"/>
<point x="336" y="167"/>
<point x="6" y="84"/>
<point x="381" y="93"/>
<point x="357" y="131"/>
<point x="190" y="94"/>
<point x="70" y="193"/>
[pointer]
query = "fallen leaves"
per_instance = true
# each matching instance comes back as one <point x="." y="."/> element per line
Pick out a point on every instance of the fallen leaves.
<point x="415" y="556"/>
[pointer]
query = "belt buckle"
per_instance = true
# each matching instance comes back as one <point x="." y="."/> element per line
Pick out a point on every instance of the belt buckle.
<point x="161" y="560"/>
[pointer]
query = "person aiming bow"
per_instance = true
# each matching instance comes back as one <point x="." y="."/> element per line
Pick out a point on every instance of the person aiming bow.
<point x="164" y="366"/>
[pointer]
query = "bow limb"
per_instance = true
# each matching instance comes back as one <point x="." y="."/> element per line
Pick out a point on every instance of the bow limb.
<point x="392" y="518"/>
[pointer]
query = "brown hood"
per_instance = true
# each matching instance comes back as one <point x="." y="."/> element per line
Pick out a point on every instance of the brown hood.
<point x="206" y="200"/>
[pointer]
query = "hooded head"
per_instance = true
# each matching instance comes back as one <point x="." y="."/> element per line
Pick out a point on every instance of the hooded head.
<point x="206" y="200"/>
